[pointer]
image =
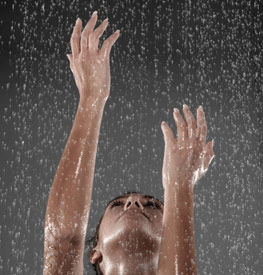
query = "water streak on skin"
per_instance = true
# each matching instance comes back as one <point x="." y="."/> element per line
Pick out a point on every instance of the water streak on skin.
<point x="79" y="161"/>
<point x="176" y="265"/>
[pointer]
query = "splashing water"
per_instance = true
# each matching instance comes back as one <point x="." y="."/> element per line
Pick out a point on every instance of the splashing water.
<point x="194" y="52"/>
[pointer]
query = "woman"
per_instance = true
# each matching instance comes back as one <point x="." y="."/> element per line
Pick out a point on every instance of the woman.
<point x="137" y="234"/>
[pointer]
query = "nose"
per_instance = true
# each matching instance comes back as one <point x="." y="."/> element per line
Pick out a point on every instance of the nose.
<point x="133" y="202"/>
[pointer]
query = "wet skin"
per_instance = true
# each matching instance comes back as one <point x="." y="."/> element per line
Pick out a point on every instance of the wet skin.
<point x="131" y="227"/>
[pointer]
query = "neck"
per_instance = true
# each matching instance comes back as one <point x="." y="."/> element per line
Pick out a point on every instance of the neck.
<point x="135" y="254"/>
<point x="132" y="252"/>
<point x="131" y="264"/>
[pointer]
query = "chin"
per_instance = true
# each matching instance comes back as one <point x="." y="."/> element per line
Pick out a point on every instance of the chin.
<point x="139" y="239"/>
<point x="135" y="235"/>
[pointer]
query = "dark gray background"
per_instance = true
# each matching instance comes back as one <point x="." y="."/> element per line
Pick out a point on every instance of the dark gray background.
<point x="169" y="53"/>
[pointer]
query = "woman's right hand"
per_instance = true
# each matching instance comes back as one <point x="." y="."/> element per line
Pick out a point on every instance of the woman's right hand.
<point x="89" y="64"/>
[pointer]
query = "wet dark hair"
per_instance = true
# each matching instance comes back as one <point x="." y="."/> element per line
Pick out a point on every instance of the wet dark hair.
<point x="93" y="241"/>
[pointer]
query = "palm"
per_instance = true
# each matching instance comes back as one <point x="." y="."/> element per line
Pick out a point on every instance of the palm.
<point x="187" y="157"/>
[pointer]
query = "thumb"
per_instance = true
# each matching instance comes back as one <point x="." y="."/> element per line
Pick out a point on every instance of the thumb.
<point x="208" y="157"/>
<point x="69" y="57"/>
<point x="209" y="154"/>
<point x="167" y="132"/>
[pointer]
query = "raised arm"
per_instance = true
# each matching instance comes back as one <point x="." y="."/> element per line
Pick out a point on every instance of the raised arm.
<point x="69" y="200"/>
<point x="186" y="159"/>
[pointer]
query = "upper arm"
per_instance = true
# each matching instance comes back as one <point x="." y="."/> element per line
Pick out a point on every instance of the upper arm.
<point x="63" y="256"/>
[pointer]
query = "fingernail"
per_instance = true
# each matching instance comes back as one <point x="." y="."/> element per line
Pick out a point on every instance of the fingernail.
<point x="201" y="108"/>
<point x="77" y="20"/>
<point x="176" y="110"/>
<point x="185" y="106"/>
<point x="94" y="13"/>
<point x="105" y="20"/>
<point x="118" y="31"/>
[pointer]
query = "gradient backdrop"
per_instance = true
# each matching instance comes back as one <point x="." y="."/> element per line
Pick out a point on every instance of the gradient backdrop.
<point x="169" y="53"/>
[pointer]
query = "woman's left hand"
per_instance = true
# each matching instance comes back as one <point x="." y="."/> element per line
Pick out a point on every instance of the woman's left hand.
<point x="186" y="158"/>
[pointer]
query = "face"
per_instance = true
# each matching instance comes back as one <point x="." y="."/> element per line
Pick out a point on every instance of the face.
<point x="132" y="223"/>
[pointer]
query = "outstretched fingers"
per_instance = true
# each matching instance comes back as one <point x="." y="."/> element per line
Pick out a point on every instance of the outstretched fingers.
<point x="101" y="28"/>
<point x="94" y="38"/>
<point x="88" y="39"/>
<point x="180" y="125"/>
<point x="167" y="132"/>
<point x="87" y="30"/>
<point x="191" y="124"/>
<point x="108" y="43"/>
<point x="209" y="154"/>
<point x="75" y="38"/>
<point x="201" y="126"/>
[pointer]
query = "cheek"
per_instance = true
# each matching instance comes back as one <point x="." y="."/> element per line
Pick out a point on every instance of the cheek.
<point x="108" y="222"/>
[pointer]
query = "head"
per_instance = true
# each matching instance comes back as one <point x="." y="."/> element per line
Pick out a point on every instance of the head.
<point x="131" y="225"/>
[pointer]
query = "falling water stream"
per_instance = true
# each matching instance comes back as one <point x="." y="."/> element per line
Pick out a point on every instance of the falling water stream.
<point x="169" y="53"/>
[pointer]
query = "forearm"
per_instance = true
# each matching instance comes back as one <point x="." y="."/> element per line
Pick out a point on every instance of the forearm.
<point x="70" y="196"/>
<point x="177" y="254"/>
